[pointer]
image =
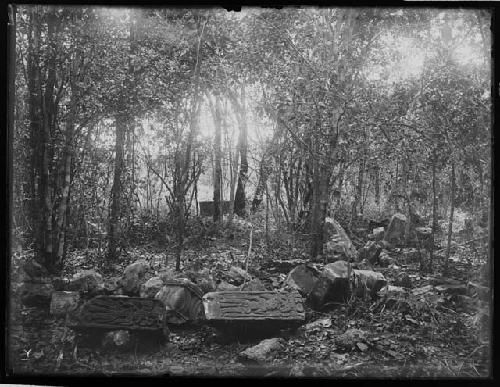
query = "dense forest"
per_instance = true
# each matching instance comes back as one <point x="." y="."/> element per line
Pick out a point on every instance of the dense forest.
<point x="342" y="155"/>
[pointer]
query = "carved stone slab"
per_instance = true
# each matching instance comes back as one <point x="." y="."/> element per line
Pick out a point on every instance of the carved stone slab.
<point x="247" y="306"/>
<point x="130" y="313"/>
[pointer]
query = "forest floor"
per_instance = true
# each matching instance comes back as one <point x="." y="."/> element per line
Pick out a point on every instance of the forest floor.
<point x="435" y="337"/>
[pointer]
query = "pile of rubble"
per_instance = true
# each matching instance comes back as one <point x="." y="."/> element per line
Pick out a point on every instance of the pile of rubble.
<point x="143" y="300"/>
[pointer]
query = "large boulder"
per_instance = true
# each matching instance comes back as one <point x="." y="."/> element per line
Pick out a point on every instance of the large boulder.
<point x="133" y="277"/>
<point x="395" y="233"/>
<point x="37" y="294"/>
<point x="262" y="352"/>
<point x="371" y="252"/>
<point x="333" y="284"/>
<point x="303" y="278"/>
<point x="87" y="282"/>
<point x="151" y="287"/>
<point x="183" y="301"/>
<point x="33" y="269"/>
<point x="338" y="245"/>
<point x="368" y="282"/>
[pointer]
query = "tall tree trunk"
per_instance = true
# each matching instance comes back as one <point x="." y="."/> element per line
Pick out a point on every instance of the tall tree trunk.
<point x="452" y="211"/>
<point x="48" y="123"/>
<point x="376" y="173"/>
<point x="239" y="199"/>
<point x="179" y="213"/>
<point x="183" y="163"/>
<point x="265" y="169"/>
<point x="258" y="196"/>
<point x="316" y="218"/>
<point x="121" y="121"/>
<point x="217" y="194"/>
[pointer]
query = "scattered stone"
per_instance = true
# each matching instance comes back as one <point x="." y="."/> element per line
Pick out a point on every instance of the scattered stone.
<point x="403" y="280"/>
<point x="262" y="352"/>
<point x="482" y="292"/>
<point x="151" y="287"/>
<point x="36" y="294"/>
<point x="33" y="269"/>
<point x="254" y="285"/>
<point x="120" y="312"/>
<point x="395" y="233"/>
<point x="60" y="284"/>
<point x="223" y="286"/>
<point x="338" y="244"/>
<point x="465" y="303"/>
<point x="422" y="290"/>
<point x="257" y="310"/>
<point x="133" y="277"/>
<point x="321" y="323"/>
<point x="63" y="302"/>
<point x="371" y="252"/>
<point x="86" y="281"/>
<point x="384" y="259"/>
<point x="112" y="285"/>
<point x="333" y="284"/>
<point x="183" y="301"/>
<point x="435" y="281"/>
<point x="117" y="339"/>
<point x="368" y="282"/>
<point x="350" y="338"/>
<point x="391" y="291"/>
<point x="452" y="289"/>
<point x="303" y="278"/>
<point x="238" y="275"/>
<point x="378" y="233"/>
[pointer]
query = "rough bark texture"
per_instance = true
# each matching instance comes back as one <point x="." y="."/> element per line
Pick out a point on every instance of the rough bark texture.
<point x="115" y="212"/>
<point x="239" y="198"/>
<point x="122" y="123"/>
<point x="218" y="158"/>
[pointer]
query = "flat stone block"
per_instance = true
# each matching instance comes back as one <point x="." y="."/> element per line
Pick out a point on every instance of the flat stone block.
<point x="118" y="312"/>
